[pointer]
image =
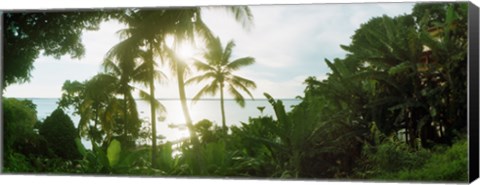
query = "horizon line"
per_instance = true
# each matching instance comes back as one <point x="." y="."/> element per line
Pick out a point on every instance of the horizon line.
<point x="206" y="99"/>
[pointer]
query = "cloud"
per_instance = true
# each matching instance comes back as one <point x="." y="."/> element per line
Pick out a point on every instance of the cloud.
<point x="286" y="88"/>
<point x="272" y="41"/>
<point x="395" y="9"/>
<point x="289" y="43"/>
<point x="98" y="43"/>
<point x="33" y="91"/>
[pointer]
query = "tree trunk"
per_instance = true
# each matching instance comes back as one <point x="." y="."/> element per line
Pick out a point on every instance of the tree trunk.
<point x="125" y="117"/>
<point x="197" y="168"/>
<point x="222" y="106"/>
<point x="94" y="126"/>
<point x="154" y="126"/>
<point x="153" y="117"/>
<point x="183" y="101"/>
<point x="413" y="130"/>
<point x="406" y="133"/>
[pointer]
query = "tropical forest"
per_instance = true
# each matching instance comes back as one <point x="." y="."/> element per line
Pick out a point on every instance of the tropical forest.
<point x="393" y="108"/>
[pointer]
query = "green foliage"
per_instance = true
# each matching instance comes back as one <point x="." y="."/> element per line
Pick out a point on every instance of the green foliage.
<point x="120" y="64"/>
<point x="19" y="120"/>
<point x="390" y="82"/>
<point x="113" y="152"/>
<point x="215" y="158"/>
<point x="81" y="149"/>
<point x="19" y="123"/>
<point x="94" y="161"/>
<point x="115" y="160"/>
<point x="24" y="149"/>
<point x="207" y="132"/>
<point x="254" y="140"/>
<point x="99" y="109"/>
<point x="393" y="156"/>
<point x="73" y="93"/>
<point x="15" y="162"/>
<point x="445" y="164"/>
<point x="52" y="33"/>
<point x="19" y="163"/>
<point x="166" y="160"/>
<point x="60" y="133"/>
<point x="282" y="147"/>
<point x="399" y="74"/>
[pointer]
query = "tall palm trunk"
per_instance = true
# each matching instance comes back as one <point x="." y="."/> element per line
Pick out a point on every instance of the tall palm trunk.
<point x="183" y="101"/>
<point x="180" y="69"/>
<point x="95" y="126"/>
<point x="152" y="108"/>
<point x="222" y="106"/>
<point x="197" y="164"/>
<point x="125" y="116"/>
<point x="154" y="129"/>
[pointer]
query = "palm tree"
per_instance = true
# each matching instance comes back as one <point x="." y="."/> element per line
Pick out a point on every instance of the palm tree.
<point x="141" y="43"/>
<point x="99" y="105"/>
<point x="148" y="30"/>
<point x="187" y="23"/>
<point x="218" y="70"/>
<point x="123" y="71"/>
<point x="134" y="64"/>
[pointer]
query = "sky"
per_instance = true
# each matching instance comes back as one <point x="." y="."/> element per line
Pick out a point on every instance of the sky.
<point x="288" y="42"/>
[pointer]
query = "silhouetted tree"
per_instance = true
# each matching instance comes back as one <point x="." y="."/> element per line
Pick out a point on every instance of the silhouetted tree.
<point x="27" y="35"/>
<point x="218" y="70"/>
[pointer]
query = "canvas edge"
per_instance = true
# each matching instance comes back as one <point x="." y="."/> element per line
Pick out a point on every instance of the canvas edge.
<point x="473" y="81"/>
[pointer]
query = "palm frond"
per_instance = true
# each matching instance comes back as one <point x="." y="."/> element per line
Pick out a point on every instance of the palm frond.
<point x="246" y="82"/>
<point x="132" y="105"/>
<point x="202" y="29"/>
<point x="210" y="89"/>
<point x="200" y="78"/>
<point x="236" y="64"/>
<point x="143" y="74"/>
<point x="85" y="116"/>
<point x="108" y="117"/>
<point x="227" y="53"/>
<point x="127" y="49"/>
<point x="157" y="104"/>
<point x="242" y="84"/>
<point x="160" y="76"/>
<point x="236" y="95"/>
<point x="201" y="66"/>
<point x="175" y="61"/>
<point x="243" y="15"/>
<point x="214" y="52"/>
<point x="125" y="33"/>
<point x="110" y="67"/>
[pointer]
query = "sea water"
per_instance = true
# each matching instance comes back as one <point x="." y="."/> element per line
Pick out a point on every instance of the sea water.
<point x="202" y="109"/>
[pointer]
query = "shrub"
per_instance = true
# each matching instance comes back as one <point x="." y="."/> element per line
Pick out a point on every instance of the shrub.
<point x="16" y="162"/>
<point x="388" y="157"/>
<point x="60" y="133"/>
<point x="394" y="156"/>
<point x="21" y="143"/>
<point x="449" y="164"/>
<point x="19" y="119"/>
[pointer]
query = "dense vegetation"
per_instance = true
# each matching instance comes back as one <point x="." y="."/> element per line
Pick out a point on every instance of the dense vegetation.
<point x="54" y="34"/>
<point x="394" y="108"/>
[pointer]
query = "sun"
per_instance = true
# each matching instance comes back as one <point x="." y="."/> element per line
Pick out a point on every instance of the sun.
<point x="186" y="52"/>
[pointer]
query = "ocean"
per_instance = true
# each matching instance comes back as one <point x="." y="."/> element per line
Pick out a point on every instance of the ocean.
<point x="202" y="109"/>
